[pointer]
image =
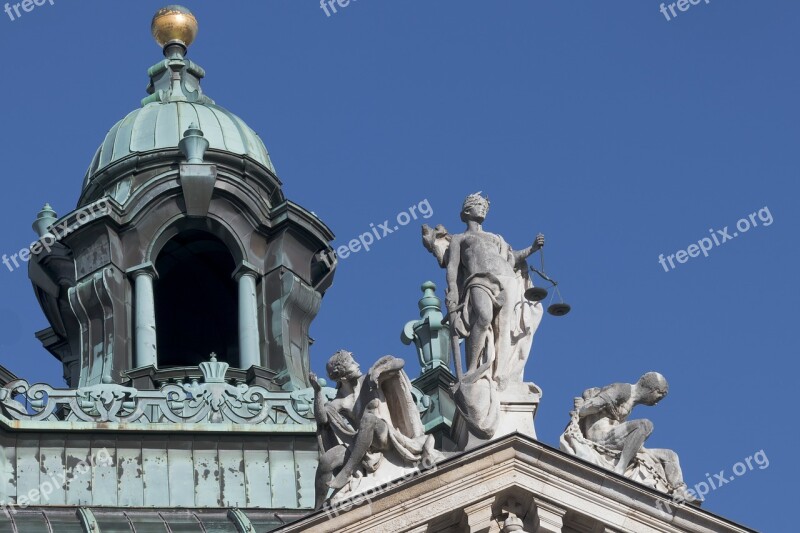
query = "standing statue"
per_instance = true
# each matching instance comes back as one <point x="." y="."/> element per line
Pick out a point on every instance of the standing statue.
<point x="486" y="283"/>
<point x="601" y="433"/>
<point x="373" y="421"/>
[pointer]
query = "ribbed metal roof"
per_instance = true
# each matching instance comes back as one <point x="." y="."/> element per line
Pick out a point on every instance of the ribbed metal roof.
<point x="161" y="125"/>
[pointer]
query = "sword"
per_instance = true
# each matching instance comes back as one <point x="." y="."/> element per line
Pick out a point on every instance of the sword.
<point x="454" y="348"/>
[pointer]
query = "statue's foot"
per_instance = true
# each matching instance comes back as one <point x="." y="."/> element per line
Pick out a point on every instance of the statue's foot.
<point x="502" y="383"/>
<point x="339" y="481"/>
<point x="682" y="494"/>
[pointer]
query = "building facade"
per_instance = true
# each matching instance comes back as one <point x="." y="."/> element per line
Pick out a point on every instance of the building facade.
<point x="179" y="294"/>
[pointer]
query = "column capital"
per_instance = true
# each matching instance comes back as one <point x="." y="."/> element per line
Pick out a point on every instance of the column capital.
<point x="147" y="268"/>
<point x="477" y="518"/>
<point x="245" y="269"/>
<point x="551" y="517"/>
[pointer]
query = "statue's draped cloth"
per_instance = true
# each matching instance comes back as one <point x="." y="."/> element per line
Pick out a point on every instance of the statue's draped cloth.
<point x="507" y="348"/>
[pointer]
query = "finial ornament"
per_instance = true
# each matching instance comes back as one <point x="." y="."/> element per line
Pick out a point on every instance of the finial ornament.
<point x="193" y="145"/>
<point x="174" y="23"/>
<point x="430" y="336"/>
<point x="44" y="220"/>
<point x="175" y="78"/>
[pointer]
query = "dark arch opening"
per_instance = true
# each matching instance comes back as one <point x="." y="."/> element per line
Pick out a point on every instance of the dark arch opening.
<point x="196" y="301"/>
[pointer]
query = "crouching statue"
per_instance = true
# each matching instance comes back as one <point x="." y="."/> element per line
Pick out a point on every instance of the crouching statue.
<point x="371" y="432"/>
<point x="600" y="432"/>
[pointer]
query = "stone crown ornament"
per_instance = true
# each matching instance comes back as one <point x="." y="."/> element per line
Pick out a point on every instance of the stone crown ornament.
<point x="214" y="371"/>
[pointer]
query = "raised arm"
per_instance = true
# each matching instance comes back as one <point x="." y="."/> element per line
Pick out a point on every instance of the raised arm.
<point x="319" y="400"/>
<point x="537" y="245"/>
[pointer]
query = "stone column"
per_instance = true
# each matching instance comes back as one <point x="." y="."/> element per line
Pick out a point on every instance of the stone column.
<point x="249" y="351"/>
<point x="144" y="301"/>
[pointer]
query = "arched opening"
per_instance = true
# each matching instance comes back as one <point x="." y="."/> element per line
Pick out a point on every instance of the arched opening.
<point x="195" y="301"/>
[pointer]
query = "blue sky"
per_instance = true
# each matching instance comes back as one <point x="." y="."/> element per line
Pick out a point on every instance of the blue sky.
<point x="617" y="133"/>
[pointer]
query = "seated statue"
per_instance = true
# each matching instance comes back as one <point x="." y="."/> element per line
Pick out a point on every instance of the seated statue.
<point x="371" y="417"/>
<point x="601" y="433"/>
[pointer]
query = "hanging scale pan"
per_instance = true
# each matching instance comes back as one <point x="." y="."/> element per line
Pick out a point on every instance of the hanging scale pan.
<point x="536" y="294"/>
<point x="559" y="309"/>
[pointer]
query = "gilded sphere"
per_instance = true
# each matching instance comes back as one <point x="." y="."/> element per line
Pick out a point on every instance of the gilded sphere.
<point x="174" y="23"/>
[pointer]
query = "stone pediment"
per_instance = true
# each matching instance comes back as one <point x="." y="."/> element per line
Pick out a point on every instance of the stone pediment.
<point x="513" y="484"/>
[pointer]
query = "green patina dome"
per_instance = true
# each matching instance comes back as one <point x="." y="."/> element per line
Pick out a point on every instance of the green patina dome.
<point x="161" y="126"/>
<point x="175" y="102"/>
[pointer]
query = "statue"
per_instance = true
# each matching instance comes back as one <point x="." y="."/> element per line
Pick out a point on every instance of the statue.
<point x="372" y="423"/>
<point x="600" y="432"/>
<point x="486" y="283"/>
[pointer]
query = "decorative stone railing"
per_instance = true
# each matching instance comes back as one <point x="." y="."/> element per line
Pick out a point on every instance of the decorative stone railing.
<point x="212" y="400"/>
<point x="174" y="403"/>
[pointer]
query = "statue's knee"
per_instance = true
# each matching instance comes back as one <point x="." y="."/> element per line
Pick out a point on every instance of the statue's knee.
<point x="331" y="460"/>
<point x="482" y="322"/>
<point x="645" y="426"/>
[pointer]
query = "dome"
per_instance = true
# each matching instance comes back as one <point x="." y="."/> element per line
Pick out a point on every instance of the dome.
<point x="160" y="125"/>
<point x="176" y="101"/>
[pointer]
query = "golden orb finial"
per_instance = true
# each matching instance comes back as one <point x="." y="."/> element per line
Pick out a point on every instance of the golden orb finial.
<point x="174" y="23"/>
